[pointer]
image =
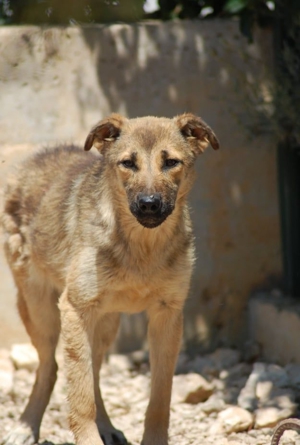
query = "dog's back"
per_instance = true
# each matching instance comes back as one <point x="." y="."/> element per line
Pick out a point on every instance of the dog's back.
<point x="41" y="184"/>
<point x="34" y="177"/>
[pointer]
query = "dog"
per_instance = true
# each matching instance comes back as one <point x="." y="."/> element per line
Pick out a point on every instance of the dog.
<point x="90" y="236"/>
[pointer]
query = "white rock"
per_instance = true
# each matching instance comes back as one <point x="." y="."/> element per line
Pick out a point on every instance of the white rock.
<point x="24" y="356"/>
<point x="270" y="416"/>
<point x="139" y="358"/>
<point x="4" y="354"/>
<point x="224" y="358"/>
<point x="235" y="419"/>
<point x="277" y="375"/>
<point x="240" y="371"/>
<point x="269" y="395"/>
<point x="216" y="428"/>
<point x="6" y="381"/>
<point x="214" y="404"/>
<point x="5" y="362"/>
<point x="293" y="371"/>
<point x="234" y="442"/>
<point x="6" y="372"/>
<point x="191" y="388"/>
<point x="119" y="362"/>
<point x="247" y="398"/>
<point x="284" y="398"/>
<point x="264" y="391"/>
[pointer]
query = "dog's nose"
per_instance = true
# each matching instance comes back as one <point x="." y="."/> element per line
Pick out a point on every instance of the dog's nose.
<point x="149" y="204"/>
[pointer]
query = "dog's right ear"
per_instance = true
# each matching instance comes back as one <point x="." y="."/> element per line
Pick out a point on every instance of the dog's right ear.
<point x="105" y="132"/>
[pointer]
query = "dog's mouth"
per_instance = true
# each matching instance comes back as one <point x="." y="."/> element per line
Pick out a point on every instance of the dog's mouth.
<point x="151" y="221"/>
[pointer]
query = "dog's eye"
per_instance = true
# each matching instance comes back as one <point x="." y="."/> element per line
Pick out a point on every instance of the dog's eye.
<point x="128" y="163"/>
<point x="168" y="163"/>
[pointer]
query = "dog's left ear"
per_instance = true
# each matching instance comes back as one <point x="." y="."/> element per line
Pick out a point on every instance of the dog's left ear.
<point x="196" y="132"/>
<point x="105" y="132"/>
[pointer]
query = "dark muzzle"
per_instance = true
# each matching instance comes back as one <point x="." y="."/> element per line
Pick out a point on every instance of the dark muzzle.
<point x="149" y="204"/>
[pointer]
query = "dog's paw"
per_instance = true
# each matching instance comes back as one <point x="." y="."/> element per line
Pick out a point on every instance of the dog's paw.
<point x="21" y="435"/>
<point x="113" y="437"/>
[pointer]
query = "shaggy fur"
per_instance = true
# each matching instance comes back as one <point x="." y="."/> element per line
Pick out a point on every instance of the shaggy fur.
<point x="88" y="237"/>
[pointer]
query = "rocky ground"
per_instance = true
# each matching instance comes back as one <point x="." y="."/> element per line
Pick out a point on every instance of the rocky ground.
<point x="217" y="398"/>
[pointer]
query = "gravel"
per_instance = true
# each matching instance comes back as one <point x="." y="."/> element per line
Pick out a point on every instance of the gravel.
<point x="125" y="381"/>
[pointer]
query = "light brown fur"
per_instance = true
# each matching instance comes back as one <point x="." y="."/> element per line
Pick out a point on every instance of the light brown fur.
<point x="83" y="246"/>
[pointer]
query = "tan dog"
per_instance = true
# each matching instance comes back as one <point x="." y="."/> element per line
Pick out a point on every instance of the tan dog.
<point x="88" y="237"/>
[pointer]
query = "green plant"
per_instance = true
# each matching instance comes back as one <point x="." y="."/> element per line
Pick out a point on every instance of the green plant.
<point x="89" y="11"/>
<point x="251" y="12"/>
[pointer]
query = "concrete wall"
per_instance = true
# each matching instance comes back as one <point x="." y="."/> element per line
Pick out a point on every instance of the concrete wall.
<point x="56" y="83"/>
<point x="274" y="326"/>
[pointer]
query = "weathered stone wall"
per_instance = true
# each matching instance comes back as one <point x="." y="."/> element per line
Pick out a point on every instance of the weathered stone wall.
<point x="274" y="326"/>
<point x="56" y="83"/>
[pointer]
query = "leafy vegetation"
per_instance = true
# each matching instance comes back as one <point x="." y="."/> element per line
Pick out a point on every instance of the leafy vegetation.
<point x="99" y="11"/>
<point x="287" y="34"/>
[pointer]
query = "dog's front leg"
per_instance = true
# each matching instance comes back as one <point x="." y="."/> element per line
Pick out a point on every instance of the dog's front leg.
<point x="77" y="330"/>
<point x="164" y="334"/>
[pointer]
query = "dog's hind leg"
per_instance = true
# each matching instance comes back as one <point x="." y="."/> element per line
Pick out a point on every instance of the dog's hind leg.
<point x="105" y="333"/>
<point x="39" y="312"/>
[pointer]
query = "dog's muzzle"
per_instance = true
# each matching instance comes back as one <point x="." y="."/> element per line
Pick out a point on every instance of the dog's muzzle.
<point x="149" y="205"/>
<point x="149" y="210"/>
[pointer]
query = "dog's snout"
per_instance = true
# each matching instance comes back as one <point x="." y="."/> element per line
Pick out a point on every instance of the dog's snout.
<point x="149" y="204"/>
<point x="150" y="210"/>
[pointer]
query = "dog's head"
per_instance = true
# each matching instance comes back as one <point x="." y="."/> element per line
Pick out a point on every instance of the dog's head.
<point x="152" y="159"/>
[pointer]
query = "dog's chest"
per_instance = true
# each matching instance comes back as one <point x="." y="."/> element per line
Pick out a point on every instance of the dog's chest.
<point x="123" y="290"/>
<point x="129" y="299"/>
<point x="127" y="286"/>
<point x="129" y="292"/>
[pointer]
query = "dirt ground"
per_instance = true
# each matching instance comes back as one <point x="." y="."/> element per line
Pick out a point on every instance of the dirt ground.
<point x="204" y="406"/>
